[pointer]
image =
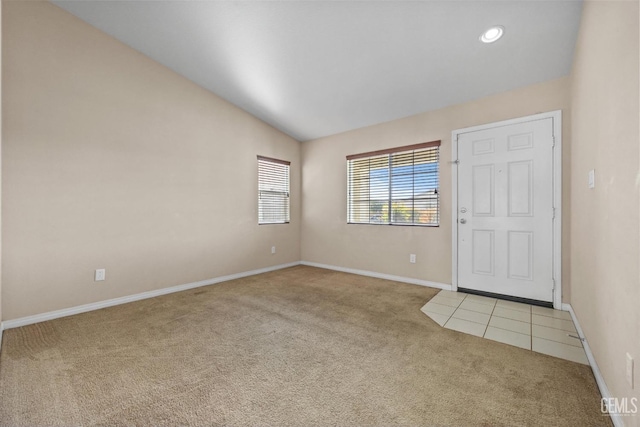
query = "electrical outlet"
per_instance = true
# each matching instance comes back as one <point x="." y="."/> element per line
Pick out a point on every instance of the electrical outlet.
<point x="273" y="249"/>
<point x="100" y="274"/>
<point x="629" y="373"/>
<point x="412" y="258"/>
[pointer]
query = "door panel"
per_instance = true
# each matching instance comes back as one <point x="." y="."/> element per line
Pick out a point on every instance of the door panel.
<point x="505" y="202"/>
<point x="483" y="186"/>
<point x="520" y="182"/>
<point x="520" y="253"/>
<point x="483" y="252"/>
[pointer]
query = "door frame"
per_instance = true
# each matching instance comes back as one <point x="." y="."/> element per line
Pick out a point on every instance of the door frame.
<point x="556" y="117"/>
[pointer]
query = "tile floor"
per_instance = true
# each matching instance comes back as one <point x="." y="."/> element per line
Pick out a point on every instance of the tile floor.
<point x="539" y="329"/>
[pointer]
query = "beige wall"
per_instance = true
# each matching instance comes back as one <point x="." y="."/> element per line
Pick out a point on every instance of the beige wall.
<point x="0" y="174"/>
<point x="326" y="237"/>
<point x="605" y="220"/>
<point x="114" y="161"/>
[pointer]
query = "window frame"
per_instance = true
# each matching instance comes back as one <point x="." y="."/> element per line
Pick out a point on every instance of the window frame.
<point x="390" y="199"/>
<point x="287" y="193"/>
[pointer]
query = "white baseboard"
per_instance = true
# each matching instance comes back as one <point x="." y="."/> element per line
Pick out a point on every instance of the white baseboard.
<point x="380" y="275"/>
<point x="16" y="323"/>
<point x="604" y="390"/>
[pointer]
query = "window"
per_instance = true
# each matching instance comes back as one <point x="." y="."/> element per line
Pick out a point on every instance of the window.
<point x="273" y="191"/>
<point x="398" y="186"/>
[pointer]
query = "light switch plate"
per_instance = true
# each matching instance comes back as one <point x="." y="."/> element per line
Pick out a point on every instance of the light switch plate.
<point x="592" y="178"/>
<point x="629" y="370"/>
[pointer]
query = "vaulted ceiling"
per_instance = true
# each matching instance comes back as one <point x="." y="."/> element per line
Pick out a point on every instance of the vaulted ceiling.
<point x="316" y="68"/>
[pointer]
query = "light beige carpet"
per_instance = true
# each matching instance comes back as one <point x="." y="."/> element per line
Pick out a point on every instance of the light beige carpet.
<point x="301" y="346"/>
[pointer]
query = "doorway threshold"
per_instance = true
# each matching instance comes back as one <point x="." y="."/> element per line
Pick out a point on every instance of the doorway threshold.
<point x="507" y="297"/>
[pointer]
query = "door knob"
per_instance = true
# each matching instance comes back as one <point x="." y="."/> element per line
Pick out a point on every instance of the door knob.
<point x="463" y="221"/>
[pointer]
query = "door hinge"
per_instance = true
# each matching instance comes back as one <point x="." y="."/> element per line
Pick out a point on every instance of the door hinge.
<point x="553" y="139"/>
<point x="554" y="284"/>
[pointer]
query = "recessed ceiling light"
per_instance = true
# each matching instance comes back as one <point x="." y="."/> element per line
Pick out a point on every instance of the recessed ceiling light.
<point x="492" y="34"/>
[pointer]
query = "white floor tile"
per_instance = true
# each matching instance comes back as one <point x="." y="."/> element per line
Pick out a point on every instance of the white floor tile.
<point x="530" y="327"/>
<point x="474" y="306"/>
<point x="512" y="314"/>
<point x="453" y="295"/>
<point x="514" y="306"/>
<point x="556" y="349"/>
<point x="510" y="325"/>
<point x="550" y="322"/>
<point x="481" y="300"/>
<point x="508" y="337"/>
<point x="432" y="307"/>
<point x="471" y="316"/>
<point x="465" y="326"/>
<point x="549" y="312"/>
<point x="556" y="335"/>
<point x="451" y="302"/>
<point x="440" y="319"/>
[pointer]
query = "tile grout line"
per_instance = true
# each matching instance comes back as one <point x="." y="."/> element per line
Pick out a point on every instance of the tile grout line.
<point x="508" y="330"/>
<point x="486" y="328"/>
<point x="454" y="311"/>
<point x="531" y="326"/>
<point x="459" y="304"/>
<point x="552" y="327"/>
<point x="517" y="332"/>
<point x="458" y="307"/>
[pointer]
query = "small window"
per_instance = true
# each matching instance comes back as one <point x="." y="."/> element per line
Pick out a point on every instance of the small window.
<point x="398" y="186"/>
<point x="273" y="191"/>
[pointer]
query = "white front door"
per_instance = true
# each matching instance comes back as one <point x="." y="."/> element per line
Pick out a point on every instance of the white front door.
<point x="505" y="210"/>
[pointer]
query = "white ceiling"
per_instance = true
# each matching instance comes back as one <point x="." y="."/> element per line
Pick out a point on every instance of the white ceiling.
<point x="316" y="68"/>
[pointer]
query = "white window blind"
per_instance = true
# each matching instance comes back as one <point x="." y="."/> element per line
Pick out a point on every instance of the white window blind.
<point x="394" y="187"/>
<point x="273" y="191"/>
